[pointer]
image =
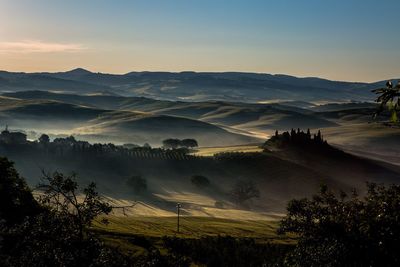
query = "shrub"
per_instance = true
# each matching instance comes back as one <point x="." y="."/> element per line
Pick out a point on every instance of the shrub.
<point x="200" y="181"/>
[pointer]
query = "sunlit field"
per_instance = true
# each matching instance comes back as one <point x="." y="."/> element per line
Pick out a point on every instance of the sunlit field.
<point x="210" y="151"/>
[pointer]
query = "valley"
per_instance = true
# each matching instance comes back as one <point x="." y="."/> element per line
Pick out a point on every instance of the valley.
<point x="229" y="135"/>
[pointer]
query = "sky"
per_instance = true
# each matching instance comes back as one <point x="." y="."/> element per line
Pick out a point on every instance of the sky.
<point x="353" y="40"/>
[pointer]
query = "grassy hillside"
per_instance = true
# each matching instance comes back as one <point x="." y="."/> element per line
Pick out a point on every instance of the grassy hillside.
<point x="190" y="227"/>
<point x="100" y="125"/>
<point x="243" y="116"/>
<point x="279" y="175"/>
<point x="143" y="127"/>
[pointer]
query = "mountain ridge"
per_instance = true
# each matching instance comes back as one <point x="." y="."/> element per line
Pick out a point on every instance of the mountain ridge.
<point x="193" y="86"/>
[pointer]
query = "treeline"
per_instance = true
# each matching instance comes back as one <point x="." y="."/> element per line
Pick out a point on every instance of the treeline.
<point x="297" y="138"/>
<point x="177" y="143"/>
<point x="70" y="146"/>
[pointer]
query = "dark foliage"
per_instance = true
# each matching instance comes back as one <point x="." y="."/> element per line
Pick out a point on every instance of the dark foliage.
<point x="44" y="139"/>
<point x="189" y="143"/>
<point x="60" y="196"/>
<point x="389" y="98"/>
<point x="244" y="191"/>
<point x="137" y="183"/>
<point x="171" y="143"/>
<point x="176" y="143"/>
<point x="53" y="239"/>
<point x="58" y="234"/>
<point x="226" y="251"/>
<point x="200" y="181"/>
<point x="297" y="138"/>
<point x="16" y="200"/>
<point x="346" y="231"/>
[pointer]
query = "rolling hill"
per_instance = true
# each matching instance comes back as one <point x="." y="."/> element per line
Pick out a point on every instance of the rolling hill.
<point x="193" y="86"/>
<point x="240" y="116"/>
<point x="128" y="127"/>
<point x="101" y="125"/>
<point x="279" y="174"/>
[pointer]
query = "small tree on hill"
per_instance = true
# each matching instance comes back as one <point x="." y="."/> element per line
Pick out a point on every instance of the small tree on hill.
<point x="171" y="143"/>
<point x="189" y="143"/>
<point x="137" y="184"/>
<point x="44" y="139"/>
<point x="243" y="191"/>
<point x="200" y="181"/>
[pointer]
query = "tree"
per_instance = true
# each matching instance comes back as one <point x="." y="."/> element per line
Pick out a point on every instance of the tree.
<point x="16" y="200"/>
<point x="346" y="231"/>
<point x="171" y="143"/>
<point x="44" y="139"/>
<point x="189" y="143"/>
<point x="60" y="234"/>
<point x="200" y="181"/>
<point x="137" y="184"/>
<point x="244" y="191"/>
<point x="60" y="194"/>
<point x="389" y="98"/>
<point x="146" y="146"/>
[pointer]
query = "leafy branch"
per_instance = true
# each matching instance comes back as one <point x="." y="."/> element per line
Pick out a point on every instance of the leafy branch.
<point x="389" y="98"/>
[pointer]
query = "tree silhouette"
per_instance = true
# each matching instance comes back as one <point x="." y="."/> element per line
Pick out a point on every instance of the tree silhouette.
<point x="243" y="191"/>
<point x="16" y="200"/>
<point x="346" y="231"/>
<point x="60" y="194"/>
<point x="189" y="143"/>
<point x="44" y="139"/>
<point x="58" y="234"/>
<point x="200" y="181"/>
<point x="171" y="143"/>
<point x="389" y="98"/>
<point x="137" y="183"/>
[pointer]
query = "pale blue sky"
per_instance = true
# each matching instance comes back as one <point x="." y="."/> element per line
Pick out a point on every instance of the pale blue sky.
<point x="343" y="40"/>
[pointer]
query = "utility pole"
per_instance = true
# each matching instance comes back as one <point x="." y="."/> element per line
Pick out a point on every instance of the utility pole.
<point x="178" y="207"/>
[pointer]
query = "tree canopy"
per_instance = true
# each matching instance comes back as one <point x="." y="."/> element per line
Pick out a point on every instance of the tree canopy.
<point x="172" y="143"/>
<point x="243" y="191"/>
<point x="16" y="198"/>
<point x="346" y="230"/>
<point x="389" y="98"/>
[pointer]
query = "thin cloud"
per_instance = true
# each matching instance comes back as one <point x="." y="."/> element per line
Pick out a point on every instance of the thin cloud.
<point x="30" y="46"/>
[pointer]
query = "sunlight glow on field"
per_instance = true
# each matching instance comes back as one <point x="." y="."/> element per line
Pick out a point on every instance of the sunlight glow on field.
<point x="210" y="151"/>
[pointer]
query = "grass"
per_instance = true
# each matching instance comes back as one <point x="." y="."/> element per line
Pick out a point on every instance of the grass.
<point x="210" y="151"/>
<point x="128" y="233"/>
<point x="190" y="227"/>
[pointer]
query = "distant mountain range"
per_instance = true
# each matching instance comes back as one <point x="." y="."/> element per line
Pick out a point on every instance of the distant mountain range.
<point x="192" y="86"/>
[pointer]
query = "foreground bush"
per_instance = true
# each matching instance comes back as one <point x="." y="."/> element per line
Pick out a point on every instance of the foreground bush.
<point x="346" y="231"/>
<point x="226" y="251"/>
<point x="53" y="231"/>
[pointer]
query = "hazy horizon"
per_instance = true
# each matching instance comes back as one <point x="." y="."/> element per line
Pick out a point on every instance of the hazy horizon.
<point x="182" y="71"/>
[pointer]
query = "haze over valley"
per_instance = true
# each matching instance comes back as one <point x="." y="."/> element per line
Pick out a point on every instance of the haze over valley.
<point x="105" y="108"/>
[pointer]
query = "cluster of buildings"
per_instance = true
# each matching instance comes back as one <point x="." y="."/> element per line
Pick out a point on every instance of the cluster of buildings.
<point x="12" y="137"/>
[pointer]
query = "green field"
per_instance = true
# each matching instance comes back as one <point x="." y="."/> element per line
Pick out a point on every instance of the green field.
<point x="123" y="231"/>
